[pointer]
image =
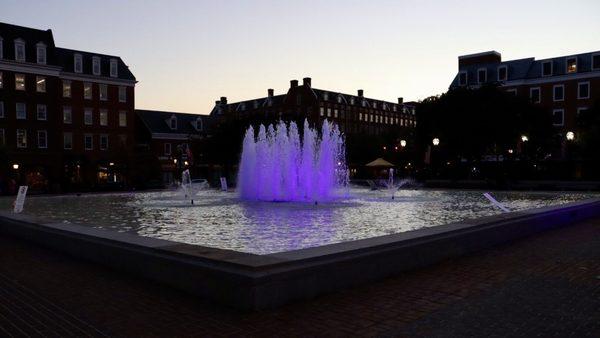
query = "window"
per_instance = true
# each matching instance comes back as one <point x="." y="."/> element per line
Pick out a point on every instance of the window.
<point x="322" y="111"/>
<point x="87" y="90"/>
<point x="41" y="53"/>
<point x="462" y="78"/>
<point x="535" y="95"/>
<point x="103" y="92"/>
<point x="42" y="112"/>
<point x="1" y="109"/>
<point x="481" y="75"/>
<point x="199" y="125"/>
<point x="123" y="95"/>
<point x="40" y="84"/>
<point x="571" y="64"/>
<point x="559" y="92"/>
<point x="21" y="111"/>
<point x="360" y="117"/>
<point x="335" y="113"/>
<point x="547" y="68"/>
<point x="2" y="137"/>
<point x="558" y="117"/>
<point x="42" y="139"/>
<point x="21" y="138"/>
<point x="67" y="115"/>
<point x="114" y="70"/>
<point x="583" y="90"/>
<point x="580" y="111"/>
<point x="167" y="149"/>
<point x="122" y="119"/>
<point x="328" y="112"/>
<point x="173" y="122"/>
<point x="502" y="73"/>
<point x="512" y="92"/>
<point x="96" y="65"/>
<point x="103" y="117"/>
<point x="88" y="115"/>
<point x="1" y="81"/>
<point x="325" y="96"/>
<point x="19" y="82"/>
<point x="77" y="63"/>
<point x="68" y="140"/>
<point x="595" y="61"/>
<point x="66" y="88"/>
<point x="88" y="142"/>
<point x="1" y="48"/>
<point x="103" y="142"/>
<point x="19" y="50"/>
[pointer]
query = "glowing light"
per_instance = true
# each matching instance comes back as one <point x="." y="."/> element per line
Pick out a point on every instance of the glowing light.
<point x="185" y="162"/>
<point x="436" y="141"/>
<point x="403" y="143"/>
<point x="175" y="160"/>
<point x="570" y="136"/>
<point x="384" y="148"/>
<point x="510" y="151"/>
<point x="524" y="138"/>
<point x="111" y="164"/>
<point x="15" y="166"/>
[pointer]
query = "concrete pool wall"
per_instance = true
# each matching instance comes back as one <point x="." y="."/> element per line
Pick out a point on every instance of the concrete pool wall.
<point x="251" y="282"/>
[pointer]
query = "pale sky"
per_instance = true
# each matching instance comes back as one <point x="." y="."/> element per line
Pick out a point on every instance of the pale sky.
<point x="186" y="54"/>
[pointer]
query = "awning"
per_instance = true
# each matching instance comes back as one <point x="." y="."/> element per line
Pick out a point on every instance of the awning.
<point x="380" y="163"/>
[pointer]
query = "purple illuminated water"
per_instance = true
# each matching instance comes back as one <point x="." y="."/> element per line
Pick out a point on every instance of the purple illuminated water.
<point x="278" y="165"/>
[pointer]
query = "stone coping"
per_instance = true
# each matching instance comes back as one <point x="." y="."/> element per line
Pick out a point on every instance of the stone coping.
<point x="250" y="281"/>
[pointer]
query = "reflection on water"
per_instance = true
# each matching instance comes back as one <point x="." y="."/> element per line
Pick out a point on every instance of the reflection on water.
<point x="219" y="219"/>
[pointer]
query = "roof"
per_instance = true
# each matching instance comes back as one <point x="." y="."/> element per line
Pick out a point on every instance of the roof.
<point x="379" y="162"/>
<point x="157" y="122"/>
<point x="66" y="59"/>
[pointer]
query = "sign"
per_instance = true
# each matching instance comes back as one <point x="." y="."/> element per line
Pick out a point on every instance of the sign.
<point x="223" y="184"/>
<point x="20" y="201"/>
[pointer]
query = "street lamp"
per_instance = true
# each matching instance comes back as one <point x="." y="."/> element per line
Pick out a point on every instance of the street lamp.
<point x="384" y="148"/>
<point x="15" y="166"/>
<point x="403" y="143"/>
<point x="436" y="141"/>
<point x="570" y="136"/>
<point x="510" y="151"/>
<point x="174" y="161"/>
<point x="524" y="138"/>
<point x="185" y="163"/>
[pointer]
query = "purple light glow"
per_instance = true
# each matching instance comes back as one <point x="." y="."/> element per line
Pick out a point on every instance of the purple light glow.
<point x="276" y="166"/>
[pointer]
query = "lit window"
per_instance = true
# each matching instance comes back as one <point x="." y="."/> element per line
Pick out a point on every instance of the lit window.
<point x="103" y="117"/>
<point x="123" y="94"/>
<point x="559" y="92"/>
<point x="481" y="75"/>
<point x="547" y="68"/>
<point x="462" y="78"/>
<point x="535" y="95"/>
<point x="167" y="149"/>
<point x="103" y="92"/>
<point x="571" y="65"/>
<point x="87" y="90"/>
<point x="77" y="63"/>
<point x="583" y="90"/>
<point x="360" y="117"/>
<point x="66" y="88"/>
<point x="596" y="61"/>
<point x="19" y="82"/>
<point x="88" y="142"/>
<point x="502" y="73"/>
<point x="122" y="119"/>
<point x="114" y="68"/>
<point x="103" y="142"/>
<point x="558" y="117"/>
<point x="67" y="115"/>
<point x="88" y="116"/>
<point x="21" y="111"/>
<point x="42" y="137"/>
<point x="41" y="53"/>
<point x="68" y="140"/>
<point x="40" y="84"/>
<point x="42" y="112"/>
<point x="1" y="109"/>
<point x="96" y="65"/>
<point x="21" y="138"/>
<point x="19" y="50"/>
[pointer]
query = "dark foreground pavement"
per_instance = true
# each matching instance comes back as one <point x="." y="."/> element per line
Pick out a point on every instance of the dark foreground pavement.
<point x="547" y="285"/>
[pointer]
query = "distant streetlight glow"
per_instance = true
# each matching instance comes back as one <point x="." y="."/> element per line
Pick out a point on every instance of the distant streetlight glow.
<point x="403" y="143"/>
<point x="436" y="141"/>
<point x="185" y="162"/>
<point x="570" y="136"/>
<point x="384" y="148"/>
<point x="16" y="166"/>
<point x="111" y="164"/>
<point x="510" y="151"/>
<point x="175" y="160"/>
<point x="524" y="138"/>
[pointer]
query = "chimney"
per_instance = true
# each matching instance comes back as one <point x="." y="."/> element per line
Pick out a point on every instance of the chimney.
<point x="360" y="93"/>
<point x="294" y="83"/>
<point x="270" y="92"/>
<point x="217" y="102"/>
<point x="223" y="100"/>
<point x="400" y="100"/>
<point x="306" y="82"/>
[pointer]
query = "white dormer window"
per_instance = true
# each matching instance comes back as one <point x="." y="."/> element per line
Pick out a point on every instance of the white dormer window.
<point x="77" y="63"/>
<point x="41" y="53"/>
<point x="571" y="65"/>
<point x="481" y="75"/>
<point x="339" y="99"/>
<point x="351" y="100"/>
<point x="199" y="125"/>
<point x="173" y="122"/>
<point x="96" y="65"/>
<point x="114" y="68"/>
<point x="325" y="96"/>
<point x="547" y="68"/>
<point x="502" y="73"/>
<point x="19" y="50"/>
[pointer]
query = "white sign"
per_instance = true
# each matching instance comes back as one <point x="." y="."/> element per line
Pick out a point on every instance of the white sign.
<point x="223" y="183"/>
<point x="20" y="201"/>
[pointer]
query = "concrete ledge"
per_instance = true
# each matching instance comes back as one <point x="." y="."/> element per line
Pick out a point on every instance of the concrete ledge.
<point x="251" y="282"/>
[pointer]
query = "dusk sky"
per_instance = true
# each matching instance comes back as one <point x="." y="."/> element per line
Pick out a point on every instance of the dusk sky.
<point x="186" y="54"/>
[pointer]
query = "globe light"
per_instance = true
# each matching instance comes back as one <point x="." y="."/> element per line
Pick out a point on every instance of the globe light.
<point x="524" y="138"/>
<point x="436" y="141"/>
<point x="15" y="166"/>
<point x="403" y="143"/>
<point x="510" y="151"/>
<point x="384" y="148"/>
<point x="111" y="164"/>
<point x="175" y="160"/>
<point x="185" y="163"/>
<point x="570" y="136"/>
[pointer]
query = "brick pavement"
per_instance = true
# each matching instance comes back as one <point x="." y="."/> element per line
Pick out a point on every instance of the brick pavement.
<point x="547" y="285"/>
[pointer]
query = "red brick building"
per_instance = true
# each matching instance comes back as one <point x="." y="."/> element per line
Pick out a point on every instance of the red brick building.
<point x="66" y="116"/>
<point x="564" y="85"/>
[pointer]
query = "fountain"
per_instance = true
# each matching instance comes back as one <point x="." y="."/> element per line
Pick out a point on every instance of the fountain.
<point x="277" y="166"/>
